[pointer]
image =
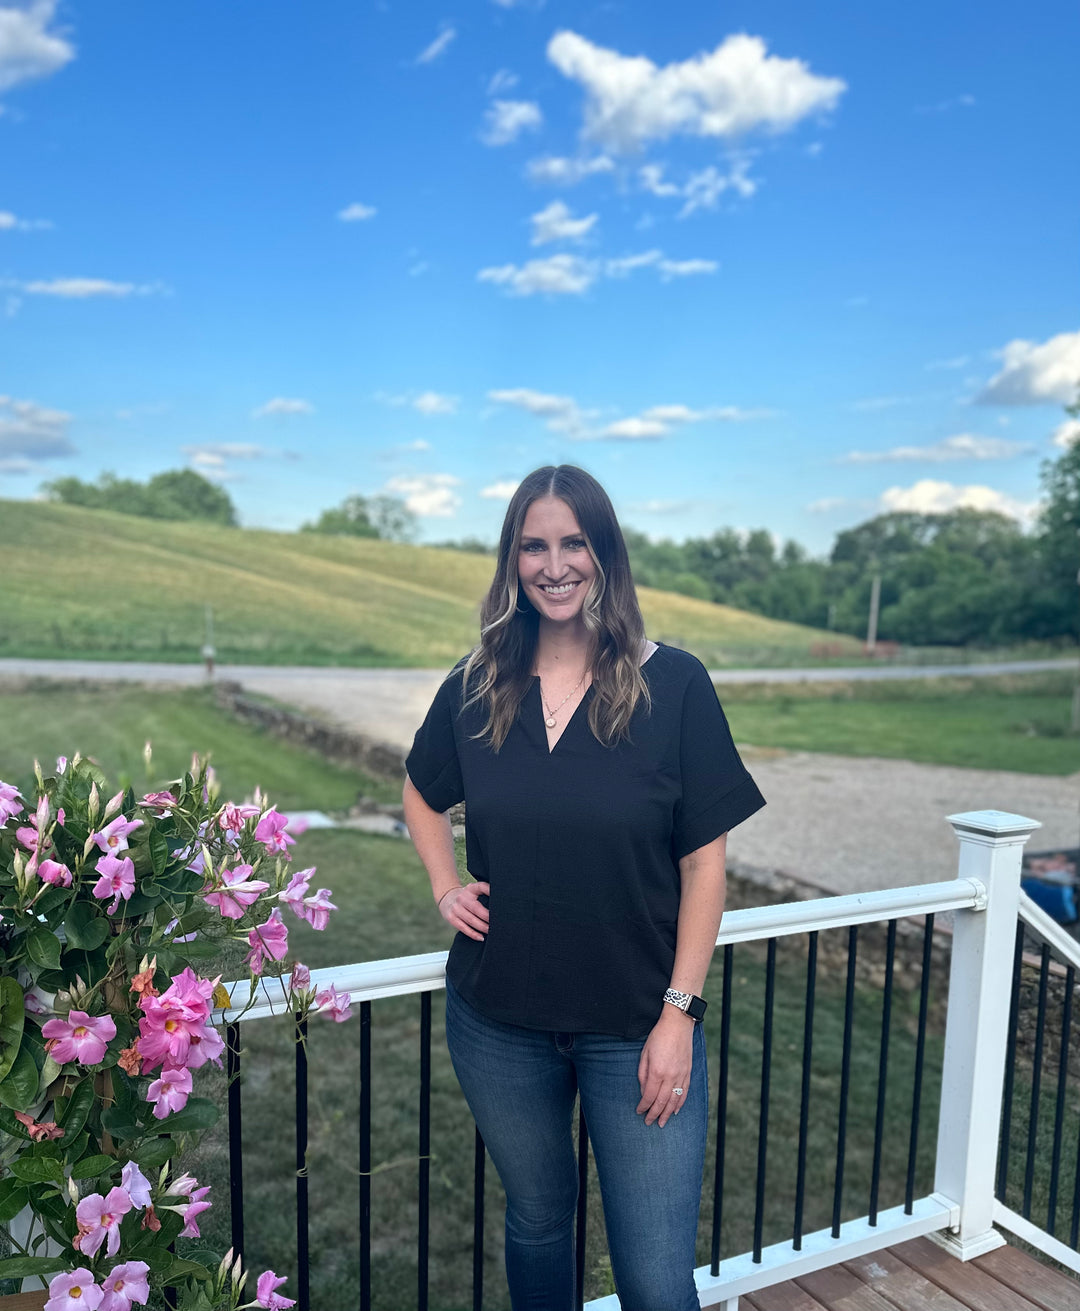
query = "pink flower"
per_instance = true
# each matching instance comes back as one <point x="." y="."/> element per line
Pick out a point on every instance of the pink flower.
<point x="269" y="942"/>
<point x="270" y="831"/>
<point x="61" y="764"/>
<point x="265" y="1295"/>
<point x="170" y="1022"/>
<point x="333" y="1005"/>
<point x="300" y="980"/>
<point x="99" y="1221"/>
<point x="38" y="1002"/>
<point x="53" y="872"/>
<point x="39" y="1133"/>
<point x="170" y="1091"/>
<point x="136" y="1183"/>
<point x="317" y="909"/>
<point x="196" y="1205"/>
<point x="117" y="879"/>
<point x="74" y="1292"/>
<point x="297" y="889"/>
<point x="236" y="893"/>
<point x="160" y="802"/>
<point x="10" y="801"/>
<point x="125" y="1284"/>
<point x="80" y="1037"/>
<point x="114" y="836"/>
<point x="233" y="818"/>
<point x="206" y="1045"/>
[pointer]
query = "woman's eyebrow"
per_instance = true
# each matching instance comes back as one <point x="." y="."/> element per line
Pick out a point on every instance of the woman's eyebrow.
<point x="570" y="537"/>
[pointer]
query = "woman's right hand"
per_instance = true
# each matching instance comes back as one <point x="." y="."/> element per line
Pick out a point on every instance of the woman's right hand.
<point x="463" y="910"/>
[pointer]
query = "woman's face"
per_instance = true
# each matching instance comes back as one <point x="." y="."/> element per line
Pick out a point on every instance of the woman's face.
<point x="554" y="564"/>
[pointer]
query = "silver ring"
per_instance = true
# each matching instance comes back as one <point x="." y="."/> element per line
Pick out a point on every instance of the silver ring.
<point x="677" y="1091"/>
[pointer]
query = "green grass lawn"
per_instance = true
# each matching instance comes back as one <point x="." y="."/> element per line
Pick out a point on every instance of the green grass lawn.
<point x="1019" y="724"/>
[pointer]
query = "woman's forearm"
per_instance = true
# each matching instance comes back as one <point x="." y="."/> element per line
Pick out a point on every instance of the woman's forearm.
<point x="701" y="906"/>
<point x="433" y="839"/>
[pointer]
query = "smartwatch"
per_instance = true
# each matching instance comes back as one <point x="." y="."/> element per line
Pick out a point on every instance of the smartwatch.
<point x="686" y="1001"/>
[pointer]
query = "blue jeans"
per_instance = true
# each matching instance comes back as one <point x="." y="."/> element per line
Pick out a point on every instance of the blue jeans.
<point x="520" y="1085"/>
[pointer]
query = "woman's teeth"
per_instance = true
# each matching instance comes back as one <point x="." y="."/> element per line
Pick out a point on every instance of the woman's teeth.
<point x="561" y="590"/>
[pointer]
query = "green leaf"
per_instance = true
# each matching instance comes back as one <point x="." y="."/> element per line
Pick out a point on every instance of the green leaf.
<point x="13" y="1197"/>
<point x="181" y="1268"/>
<point x="91" y="1166"/>
<point x="121" y="1124"/>
<point x="43" y="948"/>
<point x="153" y="1154"/>
<point x="77" y="1107"/>
<point x="12" y="1016"/>
<point x="19" y="1089"/>
<point x="159" y="851"/>
<point x="84" y="927"/>
<point x="25" y="1267"/>
<point x="199" y="1113"/>
<point x="37" y="1169"/>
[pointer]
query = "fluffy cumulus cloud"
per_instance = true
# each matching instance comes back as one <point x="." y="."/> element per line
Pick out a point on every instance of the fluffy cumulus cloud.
<point x="557" y="223"/>
<point x="560" y="413"/>
<point x="29" y="45"/>
<point x="430" y="495"/>
<point x="701" y="190"/>
<point x="634" y="429"/>
<point x="563" y="414"/>
<point x="433" y="402"/>
<point x="561" y="171"/>
<point x="736" y="88"/>
<point x="1065" y="434"/>
<point x="283" y="405"/>
<point x="357" y="212"/>
<point x="500" y="491"/>
<point x="962" y="446"/>
<point x="438" y="47"/>
<point x="1036" y="373"/>
<point x="505" y="120"/>
<point x="929" y="496"/>
<point x="30" y="432"/>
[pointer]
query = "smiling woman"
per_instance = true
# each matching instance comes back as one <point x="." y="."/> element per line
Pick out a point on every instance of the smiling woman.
<point x="600" y="781"/>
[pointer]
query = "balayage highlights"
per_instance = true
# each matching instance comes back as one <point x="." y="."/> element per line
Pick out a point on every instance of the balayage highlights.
<point x="500" y="670"/>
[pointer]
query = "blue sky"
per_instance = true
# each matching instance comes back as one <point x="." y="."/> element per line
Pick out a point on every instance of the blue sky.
<point x="771" y="265"/>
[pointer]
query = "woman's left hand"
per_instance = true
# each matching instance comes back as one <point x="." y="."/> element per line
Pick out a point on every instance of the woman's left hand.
<point x="666" y="1061"/>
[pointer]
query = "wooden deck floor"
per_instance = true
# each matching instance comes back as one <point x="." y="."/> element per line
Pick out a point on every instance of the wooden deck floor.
<point x="920" y="1276"/>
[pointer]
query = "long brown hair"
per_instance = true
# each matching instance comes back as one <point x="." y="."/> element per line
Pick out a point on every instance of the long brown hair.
<point x="499" y="671"/>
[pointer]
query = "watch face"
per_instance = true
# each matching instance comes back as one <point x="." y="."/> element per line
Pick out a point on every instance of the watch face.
<point x="696" y="1009"/>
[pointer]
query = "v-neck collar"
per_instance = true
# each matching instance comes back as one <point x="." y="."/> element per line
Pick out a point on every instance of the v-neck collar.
<point x="550" y="750"/>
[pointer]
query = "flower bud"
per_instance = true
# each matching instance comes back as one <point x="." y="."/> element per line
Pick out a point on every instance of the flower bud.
<point x="114" y="804"/>
<point x="94" y="803"/>
<point x="38" y="775"/>
<point x="147" y="753"/>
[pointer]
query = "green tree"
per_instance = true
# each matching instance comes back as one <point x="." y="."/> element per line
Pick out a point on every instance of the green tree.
<point x="177" y="494"/>
<point x="366" y="516"/>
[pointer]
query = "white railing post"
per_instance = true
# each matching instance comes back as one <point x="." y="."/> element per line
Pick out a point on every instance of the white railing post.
<point x="991" y="845"/>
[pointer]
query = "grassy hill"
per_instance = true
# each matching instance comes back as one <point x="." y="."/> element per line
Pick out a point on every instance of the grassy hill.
<point x="88" y="583"/>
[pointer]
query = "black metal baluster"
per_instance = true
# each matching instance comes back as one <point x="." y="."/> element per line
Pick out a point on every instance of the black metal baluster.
<point x="845" y="1078"/>
<point x="479" y="1158"/>
<point x="1059" y="1109"/>
<point x="236" y="1138"/>
<point x="763" y="1111"/>
<point x="804" y="1098"/>
<point x="365" y="1156"/>
<point x="1036" y="1080"/>
<point x="1010" y="1066"/>
<point x="303" y="1277"/>
<point x="883" y="1070"/>
<point x="721" y="1111"/>
<point x="920" y="1053"/>
<point x="1074" y="1228"/>
<point x="582" y="1209"/>
<point x="425" y="1153"/>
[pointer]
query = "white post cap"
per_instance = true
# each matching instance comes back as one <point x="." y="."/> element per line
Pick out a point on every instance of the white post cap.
<point x="993" y="823"/>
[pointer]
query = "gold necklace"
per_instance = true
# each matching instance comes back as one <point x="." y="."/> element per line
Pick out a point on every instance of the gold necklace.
<point x="550" y="721"/>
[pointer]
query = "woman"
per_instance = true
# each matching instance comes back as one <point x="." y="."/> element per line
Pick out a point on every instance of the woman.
<point x="600" y="781"/>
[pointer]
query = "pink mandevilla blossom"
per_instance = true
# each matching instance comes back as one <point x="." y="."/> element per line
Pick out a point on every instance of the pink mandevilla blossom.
<point x="317" y="909"/>
<point x="300" y="980"/>
<point x="196" y="1205"/>
<point x="38" y="1002"/>
<point x="75" y="1291"/>
<point x="53" y="872"/>
<point x="171" y="1021"/>
<point x="114" y="836"/>
<point x="334" y="1005"/>
<point x="61" y="764"/>
<point x="265" y="1295"/>
<point x="117" y="880"/>
<point x="296" y="890"/>
<point x="126" y="1284"/>
<point x="238" y="892"/>
<point x="10" y="801"/>
<point x="80" y="1037"/>
<point x="170" y="1092"/>
<point x="136" y="1183"/>
<point x="268" y="942"/>
<point x="270" y="831"/>
<point x="159" y="802"/>
<point x="99" y="1221"/>
<point x="233" y="817"/>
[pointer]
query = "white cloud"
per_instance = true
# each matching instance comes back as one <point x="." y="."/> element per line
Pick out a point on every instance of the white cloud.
<point x="928" y="496"/>
<point x="684" y="414"/>
<point x="85" y="288"/>
<point x="30" y="432"/>
<point x="429" y="495"/>
<point x="1065" y="434"/>
<point x="505" y="120"/>
<point x="659" y="507"/>
<point x="634" y="429"/>
<point x="556" y="223"/>
<point x="736" y="88"/>
<point x="217" y="452"/>
<point x="957" y="362"/>
<point x="702" y="190"/>
<point x="10" y="223"/>
<point x="686" y="268"/>
<point x="559" y="171"/>
<point x="418" y="445"/>
<point x="827" y="504"/>
<point x="501" y="491"/>
<point x="438" y="47"/>
<point x="962" y="446"/>
<point x="558" y="275"/>
<point x="356" y="212"/>
<point x="502" y="81"/>
<point x="624" y="264"/>
<point x="651" y="177"/>
<point x="560" y="413"/>
<point x="283" y="405"/>
<point x="28" y="49"/>
<point x="1035" y="373"/>
<point x="433" y="402"/>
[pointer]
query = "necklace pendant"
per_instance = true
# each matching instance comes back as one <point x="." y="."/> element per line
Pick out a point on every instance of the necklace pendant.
<point x="550" y="721"/>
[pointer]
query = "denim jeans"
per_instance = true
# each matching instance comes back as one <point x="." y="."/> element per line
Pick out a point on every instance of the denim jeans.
<point x="520" y="1085"/>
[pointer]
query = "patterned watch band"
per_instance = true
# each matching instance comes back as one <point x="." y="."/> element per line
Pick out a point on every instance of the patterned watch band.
<point x="680" y="999"/>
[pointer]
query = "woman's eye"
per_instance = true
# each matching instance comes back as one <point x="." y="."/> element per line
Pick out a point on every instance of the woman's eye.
<point x="533" y="546"/>
<point x="578" y="544"/>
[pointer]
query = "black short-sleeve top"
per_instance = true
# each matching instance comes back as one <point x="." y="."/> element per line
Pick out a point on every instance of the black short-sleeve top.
<point x="581" y="845"/>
